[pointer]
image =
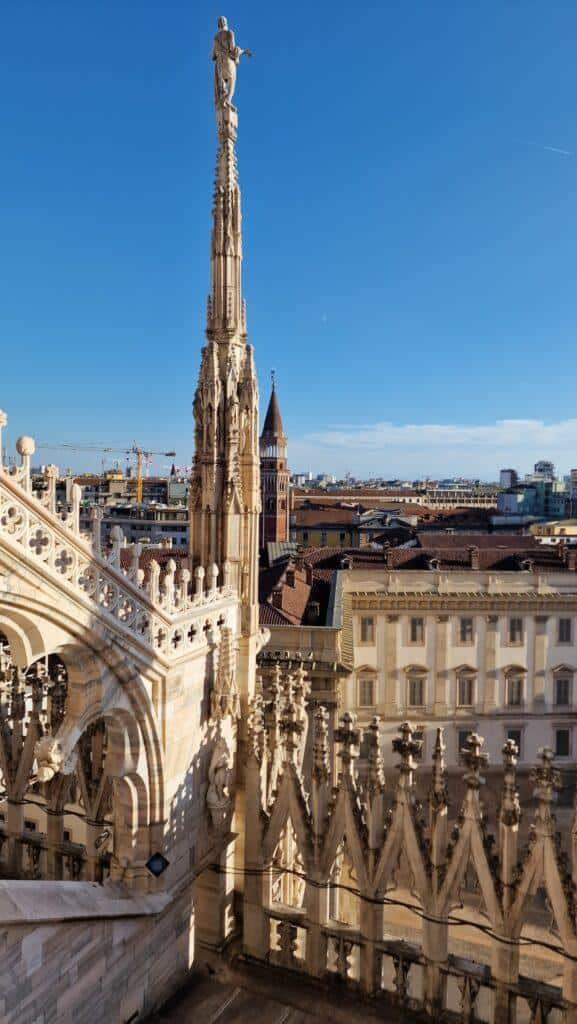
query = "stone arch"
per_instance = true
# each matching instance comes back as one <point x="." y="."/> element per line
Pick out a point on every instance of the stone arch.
<point x="103" y="683"/>
<point x="23" y="636"/>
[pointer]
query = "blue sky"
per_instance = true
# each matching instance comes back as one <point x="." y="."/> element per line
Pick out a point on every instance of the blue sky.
<point x="408" y="173"/>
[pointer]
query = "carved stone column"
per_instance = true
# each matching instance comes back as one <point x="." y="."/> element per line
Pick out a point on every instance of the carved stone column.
<point x="491" y="640"/>
<point x="214" y="901"/>
<point x="14" y="827"/>
<point x="55" y="836"/>
<point x="540" y="661"/>
<point x="530" y="640"/>
<point x="372" y="924"/>
<point x="392" y="701"/>
<point x="441" y="677"/>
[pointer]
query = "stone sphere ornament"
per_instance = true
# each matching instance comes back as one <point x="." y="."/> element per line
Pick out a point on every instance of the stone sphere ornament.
<point x="25" y="446"/>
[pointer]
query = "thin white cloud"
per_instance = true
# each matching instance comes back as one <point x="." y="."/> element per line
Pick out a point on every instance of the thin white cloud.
<point x="541" y="145"/>
<point x="439" y="448"/>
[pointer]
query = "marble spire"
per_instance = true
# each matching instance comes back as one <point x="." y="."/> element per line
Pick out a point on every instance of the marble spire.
<point x="225" y="486"/>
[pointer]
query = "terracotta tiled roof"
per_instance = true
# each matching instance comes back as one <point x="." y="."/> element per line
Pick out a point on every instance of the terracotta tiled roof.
<point x="320" y="517"/>
<point x="160" y="555"/>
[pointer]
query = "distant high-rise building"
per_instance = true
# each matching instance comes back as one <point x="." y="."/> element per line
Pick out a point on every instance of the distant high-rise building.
<point x="508" y="478"/>
<point x="544" y="469"/>
<point x="274" y="476"/>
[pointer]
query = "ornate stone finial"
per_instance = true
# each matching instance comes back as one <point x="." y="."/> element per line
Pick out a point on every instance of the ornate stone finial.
<point x="226" y="55"/>
<point x="224" y="699"/>
<point x="546" y="778"/>
<point x="321" y="762"/>
<point x="408" y="748"/>
<point x="301" y="689"/>
<point x="510" y="807"/>
<point x="291" y="727"/>
<point x="475" y="760"/>
<point x="376" y="782"/>
<point x="25" y="446"/>
<point x="439" y="780"/>
<point x="349" y="738"/>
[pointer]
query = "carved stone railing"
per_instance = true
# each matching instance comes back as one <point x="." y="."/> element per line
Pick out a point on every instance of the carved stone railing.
<point x="389" y="868"/>
<point x="166" y="610"/>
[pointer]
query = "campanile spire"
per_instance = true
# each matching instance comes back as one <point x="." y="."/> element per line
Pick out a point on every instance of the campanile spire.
<point x="225" y="486"/>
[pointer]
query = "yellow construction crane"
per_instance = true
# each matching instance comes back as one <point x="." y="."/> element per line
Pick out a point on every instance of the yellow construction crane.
<point x="139" y="453"/>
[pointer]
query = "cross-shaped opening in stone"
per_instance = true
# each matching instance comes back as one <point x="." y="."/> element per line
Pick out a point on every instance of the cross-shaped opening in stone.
<point x="39" y="541"/>
<point x="63" y="561"/>
<point x="191" y="634"/>
<point x="176" y="639"/>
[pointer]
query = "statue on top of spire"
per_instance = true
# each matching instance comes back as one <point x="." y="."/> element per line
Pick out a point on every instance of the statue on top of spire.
<point x="226" y="55"/>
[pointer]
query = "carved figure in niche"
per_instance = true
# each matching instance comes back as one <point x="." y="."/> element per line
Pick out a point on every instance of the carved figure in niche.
<point x="245" y="432"/>
<point x="218" y="798"/>
<point x="226" y="55"/>
<point x="232" y="415"/>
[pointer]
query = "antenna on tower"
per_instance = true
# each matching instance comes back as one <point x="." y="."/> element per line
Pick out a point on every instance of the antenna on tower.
<point x="273" y="378"/>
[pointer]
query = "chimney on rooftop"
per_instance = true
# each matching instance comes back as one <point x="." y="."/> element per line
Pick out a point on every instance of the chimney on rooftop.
<point x="309" y="574"/>
<point x="277" y="597"/>
<point x="313" y="612"/>
<point x="474" y="556"/>
<point x="290" y="576"/>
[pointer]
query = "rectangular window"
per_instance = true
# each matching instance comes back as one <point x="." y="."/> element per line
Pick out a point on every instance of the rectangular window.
<point x="515" y="631"/>
<point x="516" y="736"/>
<point x="419" y="736"/>
<point x="562" y="742"/>
<point x="417" y="631"/>
<point x="562" y="691"/>
<point x="367" y="630"/>
<point x="514" y="691"/>
<point x="66" y="835"/>
<point x="564" y="631"/>
<point x="416" y="691"/>
<point x="30" y="826"/>
<point x="305" y="536"/>
<point x="465" y="691"/>
<point x="366" y="692"/>
<point x="463" y="737"/>
<point x="466" y="631"/>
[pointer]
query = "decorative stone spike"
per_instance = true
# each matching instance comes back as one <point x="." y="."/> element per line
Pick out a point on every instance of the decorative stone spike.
<point x="96" y="521"/>
<point x="475" y="760"/>
<point x="154" y="581"/>
<point x="547" y="781"/>
<point x="408" y="748"/>
<point x="118" y="541"/>
<point x="349" y="738"/>
<point x="510" y="807"/>
<point x="183" y="588"/>
<point x="321" y="754"/>
<point x="376" y="767"/>
<point x="168" y="585"/>
<point x="198" y="581"/>
<point x="291" y="725"/>
<point x="439" y="780"/>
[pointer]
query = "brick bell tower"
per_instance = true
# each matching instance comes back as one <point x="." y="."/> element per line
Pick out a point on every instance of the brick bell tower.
<point x="274" y="475"/>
